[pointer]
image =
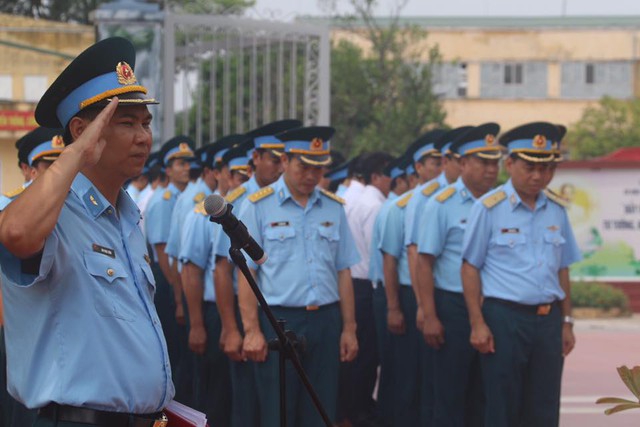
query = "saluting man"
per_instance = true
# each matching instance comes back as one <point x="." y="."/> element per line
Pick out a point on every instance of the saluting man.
<point x="517" y="250"/>
<point x="457" y="393"/>
<point x="84" y="343"/>
<point x="306" y="279"/>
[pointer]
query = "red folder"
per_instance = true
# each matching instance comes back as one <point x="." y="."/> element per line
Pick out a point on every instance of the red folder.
<point x="183" y="416"/>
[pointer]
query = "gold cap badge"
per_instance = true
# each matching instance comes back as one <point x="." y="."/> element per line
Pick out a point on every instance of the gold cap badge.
<point x="316" y="144"/>
<point x="125" y="74"/>
<point x="184" y="147"/>
<point x="57" y="142"/>
<point x="539" y="141"/>
<point x="490" y="140"/>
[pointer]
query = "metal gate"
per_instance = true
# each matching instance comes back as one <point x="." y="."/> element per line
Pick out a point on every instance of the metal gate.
<point x="228" y="74"/>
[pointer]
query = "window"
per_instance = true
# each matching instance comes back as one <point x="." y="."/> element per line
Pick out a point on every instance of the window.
<point x="34" y="87"/>
<point x="462" y="79"/>
<point x="513" y="74"/>
<point x="6" y="87"/>
<point x="590" y="77"/>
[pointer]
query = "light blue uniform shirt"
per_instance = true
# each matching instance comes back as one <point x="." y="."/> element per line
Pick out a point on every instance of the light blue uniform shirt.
<point x="306" y="246"/>
<point x="440" y="233"/>
<point x="341" y="190"/>
<point x="223" y="243"/>
<point x="84" y="331"/>
<point x="185" y="203"/>
<point x="133" y="192"/>
<point x="158" y="214"/>
<point x="376" y="272"/>
<point x="392" y="240"/>
<point x="196" y="247"/>
<point x="519" y="251"/>
<point x="415" y="207"/>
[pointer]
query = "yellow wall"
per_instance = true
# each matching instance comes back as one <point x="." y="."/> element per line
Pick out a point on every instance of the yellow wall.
<point x="69" y="39"/>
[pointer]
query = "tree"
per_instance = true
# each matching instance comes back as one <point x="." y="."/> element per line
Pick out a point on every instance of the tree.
<point x="383" y="98"/>
<point x="605" y="127"/>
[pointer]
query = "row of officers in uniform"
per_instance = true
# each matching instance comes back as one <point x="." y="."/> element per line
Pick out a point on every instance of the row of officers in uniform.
<point x="418" y="275"/>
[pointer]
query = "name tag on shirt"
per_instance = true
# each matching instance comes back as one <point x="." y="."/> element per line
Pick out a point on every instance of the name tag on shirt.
<point x="510" y="231"/>
<point x="280" y="224"/>
<point x="326" y="224"/>
<point x="104" y="251"/>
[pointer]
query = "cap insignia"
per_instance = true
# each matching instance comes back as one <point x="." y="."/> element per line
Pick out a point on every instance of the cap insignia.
<point x="184" y="147"/>
<point x="125" y="74"/>
<point x="539" y="141"/>
<point x="57" y="142"/>
<point x="316" y="144"/>
<point x="554" y="146"/>
<point x="490" y="140"/>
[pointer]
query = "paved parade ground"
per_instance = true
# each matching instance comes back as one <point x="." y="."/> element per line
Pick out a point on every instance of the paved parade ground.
<point x="590" y="372"/>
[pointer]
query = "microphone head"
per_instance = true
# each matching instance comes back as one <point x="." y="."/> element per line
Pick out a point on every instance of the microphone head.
<point x="215" y="205"/>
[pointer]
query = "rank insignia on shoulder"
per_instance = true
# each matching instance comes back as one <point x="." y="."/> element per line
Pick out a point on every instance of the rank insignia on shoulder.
<point x="431" y="188"/>
<point x="446" y="194"/>
<point x="333" y="196"/>
<point x="198" y="197"/>
<point x="261" y="194"/>
<point x="402" y="203"/>
<point x="235" y="194"/>
<point x="93" y="200"/>
<point x="555" y="197"/>
<point x="280" y="224"/>
<point x="14" y="193"/>
<point x="104" y="251"/>
<point x="494" y="199"/>
<point x="166" y="195"/>
<point x="200" y="209"/>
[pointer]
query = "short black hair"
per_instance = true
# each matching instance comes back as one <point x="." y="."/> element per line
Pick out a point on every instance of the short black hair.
<point x="375" y="163"/>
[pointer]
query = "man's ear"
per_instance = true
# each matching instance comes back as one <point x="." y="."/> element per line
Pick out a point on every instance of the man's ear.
<point x="77" y="125"/>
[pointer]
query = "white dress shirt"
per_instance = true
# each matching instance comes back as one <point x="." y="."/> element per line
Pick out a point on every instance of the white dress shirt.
<point x="353" y="193"/>
<point x="361" y="218"/>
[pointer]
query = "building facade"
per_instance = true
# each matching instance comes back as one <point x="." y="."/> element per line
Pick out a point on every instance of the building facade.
<point x="33" y="52"/>
<point x="514" y="70"/>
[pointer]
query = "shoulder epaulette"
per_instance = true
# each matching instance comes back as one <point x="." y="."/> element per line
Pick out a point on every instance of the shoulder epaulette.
<point x="260" y="194"/>
<point x="198" y="197"/>
<point x="446" y="193"/>
<point x="555" y="197"/>
<point x="233" y="196"/>
<point x="431" y="188"/>
<point x="13" y="193"/>
<point x="333" y="196"/>
<point x="200" y="209"/>
<point x="494" y="199"/>
<point x="166" y="195"/>
<point x="402" y="203"/>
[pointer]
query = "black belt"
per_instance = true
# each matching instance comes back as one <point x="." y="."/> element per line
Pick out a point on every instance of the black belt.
<point x="537" y="309"/>
<point x="73" y="414"/>
<point x="306" y="308"/>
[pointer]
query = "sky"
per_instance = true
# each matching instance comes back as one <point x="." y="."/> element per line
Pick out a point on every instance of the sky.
<point x="288" y="9"/>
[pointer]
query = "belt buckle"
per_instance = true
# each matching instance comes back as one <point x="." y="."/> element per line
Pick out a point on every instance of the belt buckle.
<point x="312" y="308"/>
<point x="162" y="422"/>
<point x="544" y="309"/>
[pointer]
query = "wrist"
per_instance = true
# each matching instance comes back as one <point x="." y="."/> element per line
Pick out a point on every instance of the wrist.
<point x="349" y="327"/>
<point x="568" y="320"/>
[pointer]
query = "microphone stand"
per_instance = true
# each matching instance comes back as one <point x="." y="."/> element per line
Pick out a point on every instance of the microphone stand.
<point x="286" y="342"/>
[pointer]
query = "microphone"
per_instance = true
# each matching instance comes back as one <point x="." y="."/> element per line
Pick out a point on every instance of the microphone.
<point x="220" y="212"/>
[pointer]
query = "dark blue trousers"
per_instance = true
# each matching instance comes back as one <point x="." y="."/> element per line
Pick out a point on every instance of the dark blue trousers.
<point x="321" y="361"/>
<point x="245" y="409"/>
<point x="211" y="379"/>
<point x="385" y="393"/>
<point x="458" y="397"/>
<point x="522" y="378"/>
<point x="358" y="377"/>
<point x="14" y="413"/>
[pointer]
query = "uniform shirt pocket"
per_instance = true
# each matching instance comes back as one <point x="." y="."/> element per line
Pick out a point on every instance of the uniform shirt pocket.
<point x="111" y="293"/>
<point x="510" y="240"/>
<point x="280" y="242"/>
<point x="554" y="242"/>
<point x="148" y="274"/>
<point x="329" y="237"/>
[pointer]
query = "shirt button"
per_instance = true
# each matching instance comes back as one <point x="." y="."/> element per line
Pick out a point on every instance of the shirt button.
<point x="109" y="211"/>
<point x="110" y="272"/>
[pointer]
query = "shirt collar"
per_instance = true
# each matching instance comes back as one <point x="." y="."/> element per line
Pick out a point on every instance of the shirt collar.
<point x="96" y="204"/>
<point x="442" y="179"/>
<point x="282" y="192"/>
<point x="463" y="190"/>
<point x="515" y="200"/>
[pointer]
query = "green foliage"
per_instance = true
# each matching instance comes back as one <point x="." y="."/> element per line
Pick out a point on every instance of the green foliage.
<point x="598" y="295"/>
<point x="630" y="378"/>
<point x="384" y="99"/>
<point x="603" y="128"/>
<point x="211" y="7"/>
